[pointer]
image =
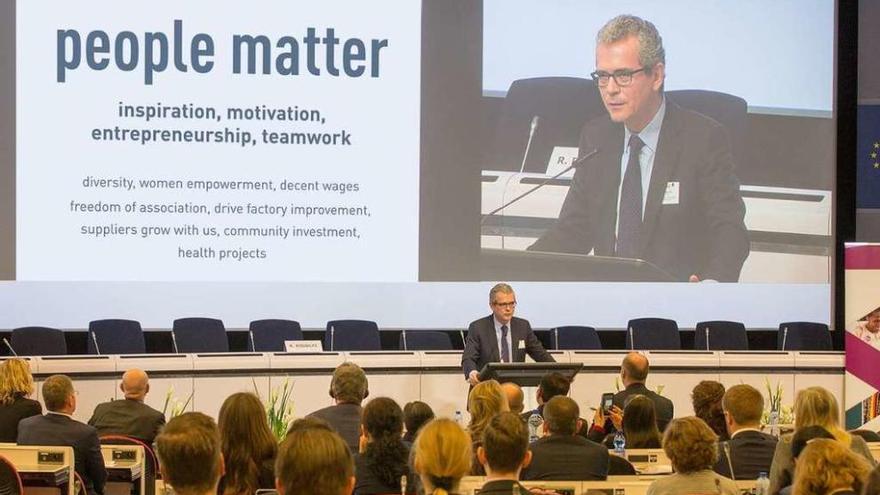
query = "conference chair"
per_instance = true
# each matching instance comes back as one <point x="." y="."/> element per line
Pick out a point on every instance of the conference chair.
<point x="562" y="104"/>
<point x="115" y="337"/>
<point x="424" y="340"/>
<point x="803" y="336"/>
<point x="10" y="480"/>
<point x="575" y="337"/>
<point x="720" y="336"/>
<point x="151" y="463"/>
<point x="352" y="335"/>
<point x="269" y="335"/>
<point x="652" y="334"/>
<point x="38" y="341"/>
<point x="199" y="335"/>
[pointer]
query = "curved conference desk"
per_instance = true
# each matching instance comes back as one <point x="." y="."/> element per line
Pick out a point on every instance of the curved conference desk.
<point x="431" y="376"/>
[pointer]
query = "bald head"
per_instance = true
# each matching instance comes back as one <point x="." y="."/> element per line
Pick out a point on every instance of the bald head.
<point x="514" y="396"/>
<point x="135" y="384"/>
<point x="634" y="368"/>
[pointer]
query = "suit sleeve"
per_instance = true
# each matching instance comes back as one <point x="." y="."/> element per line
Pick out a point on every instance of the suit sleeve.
<point x="95" y="462"/>
<point x="534" y="347"/>
<point x="472" y="350"/>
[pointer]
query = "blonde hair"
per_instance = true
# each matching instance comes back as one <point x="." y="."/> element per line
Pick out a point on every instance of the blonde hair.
<point x="485" y="401"/>
<point x="826" y="465"/>
<point x="816" y="406"/>
<point x="442" y="456"/>
<point x="15" y="380"/>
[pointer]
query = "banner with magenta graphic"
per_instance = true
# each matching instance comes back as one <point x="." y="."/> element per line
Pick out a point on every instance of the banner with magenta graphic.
<point x="862" y="313"/>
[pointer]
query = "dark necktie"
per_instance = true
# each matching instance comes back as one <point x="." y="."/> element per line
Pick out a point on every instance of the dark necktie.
<point x="505" y="349"/>
<point x="630" y="217"/>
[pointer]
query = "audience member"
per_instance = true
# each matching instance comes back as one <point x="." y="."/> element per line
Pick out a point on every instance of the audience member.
<point x="706" y="400"/>
<point x="872" y="485"/>
<point x="484" y="402"/>
<point x="314" y="461"/>
<point x="692" y="447"/>
<point x="828" y="467"/>
<point x="867" y="435"/>
<point x="813" y="406"/>
<point x="248" y="445"/>
<point x="306" y="423"/>
<point x="634" y="373"/>
<point x="383" y="455"/>
<point x="442" y="456"/>
<point x="562" y="454"/>
<point x="638" y="424"/>
<point x="751" y="451"/>
<point x="415" y="415"/>
<point x="799" y="440"/>
<point x="129" y="416"/>
<point x="503" y="454"/>
<point x="552" y="385"/>
<point x="58" y="427"/>
<point x="189" y="454"/>
<point x="16" y="385"/>
<point x="515" y="397"/>
<point x="348" y="388"/>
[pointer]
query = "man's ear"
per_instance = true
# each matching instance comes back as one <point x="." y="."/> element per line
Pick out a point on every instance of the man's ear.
<point x="366" y="393"/>
<point x="147" y="390"/>
<point x="331" y="392"/>
<point x="350" y="488"/>
<point x="578" y="426"/>
<point x="481" y="455"/>
<point x="122" y="387"/>
<point x="659" y="74"/>
<point x="527" y="459"/>
<point x="279" y="487"/>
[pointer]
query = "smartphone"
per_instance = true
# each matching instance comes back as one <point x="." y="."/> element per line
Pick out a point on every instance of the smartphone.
<point x="607" y="400"/>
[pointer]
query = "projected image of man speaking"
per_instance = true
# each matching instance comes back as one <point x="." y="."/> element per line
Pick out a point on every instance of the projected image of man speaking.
<point x="662" y="186"/>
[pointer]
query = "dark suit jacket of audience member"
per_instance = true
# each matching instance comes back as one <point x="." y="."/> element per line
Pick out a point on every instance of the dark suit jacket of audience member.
<point x="11" y="414"/>
<point x="566" y="457"/>
<point x="502" y="487"/>
<point x="751" y="453"/>
<point x="58" y="429"/>
<point x="346" y="420"/>
<point x="128" y="417"/>
<point x="367" y="483"/>
<point x="662" y="406"/>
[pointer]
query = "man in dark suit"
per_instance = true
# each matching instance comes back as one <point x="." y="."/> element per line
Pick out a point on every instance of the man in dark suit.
<point x="564" y="455"/>
<point x="58" y="427"/>
<point x="751" y="451"/>
<point x="503" y="453"/>
<point x="129" y="416"/>
<point x="348" y="388"/>
<point x="500" y="337"/>
<point x="189" y="451"/>
<point x="662" y="186"/>
<point x="634" y="373"/>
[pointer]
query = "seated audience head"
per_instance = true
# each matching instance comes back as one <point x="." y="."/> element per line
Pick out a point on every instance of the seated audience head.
<point x="805" y="435"/>
<point x="442" y="456"/>
<point x="135" y="384"/>
<point x="59" y="394"/>
<point x="561" y="416"/>
<point x="308" y="422"/>
<point x="246" y="442"/>
<point x="552" y="385"/>
<point x="743" y="407"/>
<point x="314" y="460"/>
<point x="826" y="466"/>
<point x="690" y="444"/>
<point x="415" y="415"/>
<point x="640" y="423"/>
<point x="349" y="384"/>
<point x="634" y="369"/>
<point x="189" y="454"/>
<point x="505" y="447"/>
<point x="16" y="380"/>
<point x="381" y="428"/>
<point x="867" y="435"/>
<point x="706" y="399"/>
<point x="872" y="485"/>
<point x="816" y="406"/>
<point x="485" y="401"/>
<point x="515" y="397"/>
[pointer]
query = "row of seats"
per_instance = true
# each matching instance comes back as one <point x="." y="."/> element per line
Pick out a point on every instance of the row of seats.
<point x="190" y="335"/>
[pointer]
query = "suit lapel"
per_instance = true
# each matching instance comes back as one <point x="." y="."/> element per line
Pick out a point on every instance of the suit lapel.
<point x="608" y="167"/>
<point x="665" y="160"/>
<point x="493" y="342"/>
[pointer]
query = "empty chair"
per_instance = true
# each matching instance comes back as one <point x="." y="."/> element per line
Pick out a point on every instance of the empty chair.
<point x="10" y="480"/>
<point x="151" y="465"/>
<point x="424" y="340"/>
<point x="352" y="335"/>
<point x="575" y="337"/>
<point x="803" y="336"/>
<point x="721" y="336"/>
<point x="653" y="334"/>
<point x="199" y="335"/>
<point x="269" y="335"/>
<point x="38" y="341"/>
<point x="116" y="337"/>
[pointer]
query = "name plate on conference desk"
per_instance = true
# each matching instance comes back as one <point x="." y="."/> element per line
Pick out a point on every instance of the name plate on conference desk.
<point x="303" y="346"/>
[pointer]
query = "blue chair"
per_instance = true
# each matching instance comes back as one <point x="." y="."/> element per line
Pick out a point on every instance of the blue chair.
<point x="575" y="337"/>
<point x="269" y="335"/>
<point x="38" y="341"/>
<point x="720" y="336"/>
<point x="199" y="335"/>
<point x="352" y="335"/>
<point x="115" y="337"/>
<point x="653" y="334"/>
<point x="424" y="340"/>
<point x="803" y="336"/>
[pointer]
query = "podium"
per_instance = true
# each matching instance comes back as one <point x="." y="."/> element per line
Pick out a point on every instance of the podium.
<point x="510" y="264"/>
<point x="527" y="374"/>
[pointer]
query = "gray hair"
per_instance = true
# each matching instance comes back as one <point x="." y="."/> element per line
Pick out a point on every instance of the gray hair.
<point x="651" y="50"/>
<point x="502" y="287"/>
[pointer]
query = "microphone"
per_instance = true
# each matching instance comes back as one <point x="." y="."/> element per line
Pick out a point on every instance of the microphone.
<point x="632" y="343"/>
<point x="784" y="337"/>
<point x="251" y="337"/>
<point x="9" y="346"/>
<point x="726" y="446"/>
<point x="174" y="341"/>
<point x="332" y="337"/>
<point x="532" y="128"/>
<point x="707" y="338"/>
<point x="556" y="337"/>
<point x="95" y="341"/>
<point x="403" y="485"/>
<point x="463" y="343"/>
<point x="403" y="336"/>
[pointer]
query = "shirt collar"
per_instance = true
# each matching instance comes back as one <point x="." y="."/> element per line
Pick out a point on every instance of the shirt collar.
<point x="650" y="135"/>
<point x="743" y="430"/>
<point x="59" y="414"/>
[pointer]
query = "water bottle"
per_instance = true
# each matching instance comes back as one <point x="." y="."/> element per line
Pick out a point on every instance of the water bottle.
<point x="458" y="419"/>
<point x="535" y="422"/>
<point x="762" y="485"/>
<point x="620" y="444"/>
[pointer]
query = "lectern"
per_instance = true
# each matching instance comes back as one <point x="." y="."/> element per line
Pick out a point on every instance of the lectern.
<point x="527" y="374"/>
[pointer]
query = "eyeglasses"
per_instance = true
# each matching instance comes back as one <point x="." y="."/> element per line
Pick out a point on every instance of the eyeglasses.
<point x="622" y="77"/>
<point x="511" y="304"/>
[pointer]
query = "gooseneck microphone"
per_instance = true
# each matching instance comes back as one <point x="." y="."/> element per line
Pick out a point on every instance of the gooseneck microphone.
<point x="726" y="446"/>
<point x="95" y="341"/>
<point x="9" y="346"/>
<point x="532" y="128"/>
<point x="707" y="338"/>
<point x="784" y="337"/>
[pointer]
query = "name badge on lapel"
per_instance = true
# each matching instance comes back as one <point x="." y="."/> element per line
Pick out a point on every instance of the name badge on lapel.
<point x="520" y="344"/>
<point x="671" y="196"/>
